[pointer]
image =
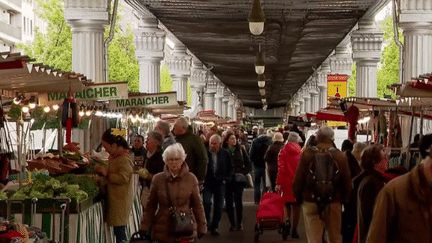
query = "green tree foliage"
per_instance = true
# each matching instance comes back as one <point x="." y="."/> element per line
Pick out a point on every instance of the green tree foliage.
<point x="122" y="63"/>
<point x="55" y="47"/>
<point x="389" y="72"/>
<point x="352" y="81"/>
<point x="166" y="83"/>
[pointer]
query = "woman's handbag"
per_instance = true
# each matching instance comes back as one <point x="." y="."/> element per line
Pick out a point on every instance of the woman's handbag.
<point x="240" y="178"/>
<point x="181" y="222"/>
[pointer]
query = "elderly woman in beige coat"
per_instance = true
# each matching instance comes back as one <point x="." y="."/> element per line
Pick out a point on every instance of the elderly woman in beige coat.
<point x="184" y="193"/>
<point x="118" y="176"/>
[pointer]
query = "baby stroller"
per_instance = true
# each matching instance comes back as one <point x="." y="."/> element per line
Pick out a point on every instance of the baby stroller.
<point x="270" y="214"/>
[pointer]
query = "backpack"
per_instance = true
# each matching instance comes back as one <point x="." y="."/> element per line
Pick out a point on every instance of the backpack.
<point x="323" y="177"/>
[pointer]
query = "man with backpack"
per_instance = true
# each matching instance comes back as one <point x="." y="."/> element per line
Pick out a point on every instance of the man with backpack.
<point x="322" y="183"/>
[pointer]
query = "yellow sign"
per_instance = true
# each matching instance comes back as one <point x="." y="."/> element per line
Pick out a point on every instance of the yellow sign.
<point x="121" y="132"/>
<point x="336" y="124"/>
<point x="337" y="87"/>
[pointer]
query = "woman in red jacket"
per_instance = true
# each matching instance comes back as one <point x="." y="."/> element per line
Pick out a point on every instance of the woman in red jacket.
<point x="288" y="159"/>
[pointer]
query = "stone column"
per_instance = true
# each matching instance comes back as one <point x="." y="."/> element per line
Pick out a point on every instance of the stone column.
<point x="307" y="100"/>
<point x="416" y="22"/>
<point x="225" y="101"/>
<point x="88" y="20"/>
<point x="231" y="109"/>
<point x="296" y="108"/>
<point x="218" y="98"/>
<point x="209" y="94"/>
<point x="179" y="64"/>
<point x="149" y="46"/>
<point x="197" y="83"/>
<point x="366" y="46"/>
<point x="341" y="61"/>
<point x="302" y="105"/>
<point x="323" y="71"/>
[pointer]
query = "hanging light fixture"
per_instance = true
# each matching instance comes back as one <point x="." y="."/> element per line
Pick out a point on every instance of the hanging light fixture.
<point x="32" y="102"/>
<point x="264" y="107"/>
<point x="262" y="91"/>
<point x="47" y="109"/>
<point x="256" y="18"/>
<point x="263" y="99"/>
<point x="17" y="99"/>
<point x="261" y="80"/>
<point x="56" y="107"/>
<point x="259" y="62"/>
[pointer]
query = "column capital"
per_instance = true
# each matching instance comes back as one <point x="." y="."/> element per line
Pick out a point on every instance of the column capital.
<point x="416" y="14"/>
<point x="87" y="16"/>
<point x="220" y="90"/>
<point x="416" y="17"/>
<point x="179" y="62"/>
<point x="366" y="41"/>
<point x="211" y="86"/>
<point x="149" y="41"/>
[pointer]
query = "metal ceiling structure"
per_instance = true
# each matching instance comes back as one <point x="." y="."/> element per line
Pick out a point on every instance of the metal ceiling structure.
<point x="298" y="36"/>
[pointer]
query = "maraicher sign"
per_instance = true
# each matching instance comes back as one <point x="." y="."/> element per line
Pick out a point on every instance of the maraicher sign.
<point x="104" y="91"/>
<point x="146" y="101"/>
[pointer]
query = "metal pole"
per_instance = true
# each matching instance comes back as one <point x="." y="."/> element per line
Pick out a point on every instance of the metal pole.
<point x="410" y="136"/>
<point x="60" y="139"/>
<point x="18" y="127"/>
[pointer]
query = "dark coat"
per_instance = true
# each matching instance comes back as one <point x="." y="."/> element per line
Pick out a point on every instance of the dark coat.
<point x="184" y="193"/>
<point x="402" y="212"/>
<point x="258" y="149"/>
<point x="196" y="155"/>
<point x="271" y="156"/>
<point x="302" y="192"/>
<point x="353" y="164"/>
<point x="154" y="164"/>
<point x="240" y="160"/>
<point x="367" y="185"/>
<point x="224" y="169"/>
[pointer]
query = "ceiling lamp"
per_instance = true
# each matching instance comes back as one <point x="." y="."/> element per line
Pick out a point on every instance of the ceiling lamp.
<point x="261" y="80"/>
<point x="256" y="18"/>
<point x="259" y="62"/>
<point x="262" y="91"/>
<point x="264" y="107"/>
<point x="32" y="102"/>
<point x="263" y="99"/>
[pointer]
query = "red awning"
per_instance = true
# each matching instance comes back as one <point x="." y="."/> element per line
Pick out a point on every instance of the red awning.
<point x="330" y="117"/>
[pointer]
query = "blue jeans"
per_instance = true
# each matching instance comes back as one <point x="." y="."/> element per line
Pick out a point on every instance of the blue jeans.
<point x="120" y="234"/>
<point x="234" y="194"/>
<point x="259" y="176"/>
<point x="214" y="191"/>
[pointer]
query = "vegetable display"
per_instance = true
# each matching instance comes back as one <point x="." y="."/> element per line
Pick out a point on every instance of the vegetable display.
<point x="47" y="187"/>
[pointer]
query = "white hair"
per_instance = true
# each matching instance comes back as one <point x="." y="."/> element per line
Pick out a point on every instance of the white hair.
<point x="182" y="122"/>
<point x="325" y="132"/>
<point x="359" y="147"/>
<point x="215" y="137"/>
<point x="293" y="137"/>
<point x="175" y="150"/>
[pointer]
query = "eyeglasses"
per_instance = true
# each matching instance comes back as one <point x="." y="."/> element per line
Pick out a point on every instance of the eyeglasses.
<point x="174" y="159"/>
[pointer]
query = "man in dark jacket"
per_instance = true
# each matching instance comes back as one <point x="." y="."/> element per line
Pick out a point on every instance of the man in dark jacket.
<point x="271" y="158"/>
<point x="349" y="215"/>
<point x="258" y="149"/>
<point x="194" y="147"/>
<point x="302" y="191"/>
<point x="220" y="170"/>
<point x="164" y="128"/>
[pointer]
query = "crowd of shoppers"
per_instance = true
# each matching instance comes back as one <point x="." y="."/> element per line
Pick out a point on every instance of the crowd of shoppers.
<point x="204" y="171"/>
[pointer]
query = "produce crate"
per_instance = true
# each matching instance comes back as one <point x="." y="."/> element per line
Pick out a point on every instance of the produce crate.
<point x="47" y="205"/>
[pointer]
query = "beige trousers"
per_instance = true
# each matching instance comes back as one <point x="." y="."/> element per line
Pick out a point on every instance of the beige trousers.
<point x="331" y="223"/>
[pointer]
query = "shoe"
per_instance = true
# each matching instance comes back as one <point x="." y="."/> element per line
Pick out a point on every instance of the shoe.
<point x="233" y="228"/>
<point x="214" y="232"/>
<point x="240" y="227"/>
<point x="294" y="234"/>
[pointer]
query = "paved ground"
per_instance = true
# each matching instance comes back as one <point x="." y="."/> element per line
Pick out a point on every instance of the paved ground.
<point x="247" y="235"/>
